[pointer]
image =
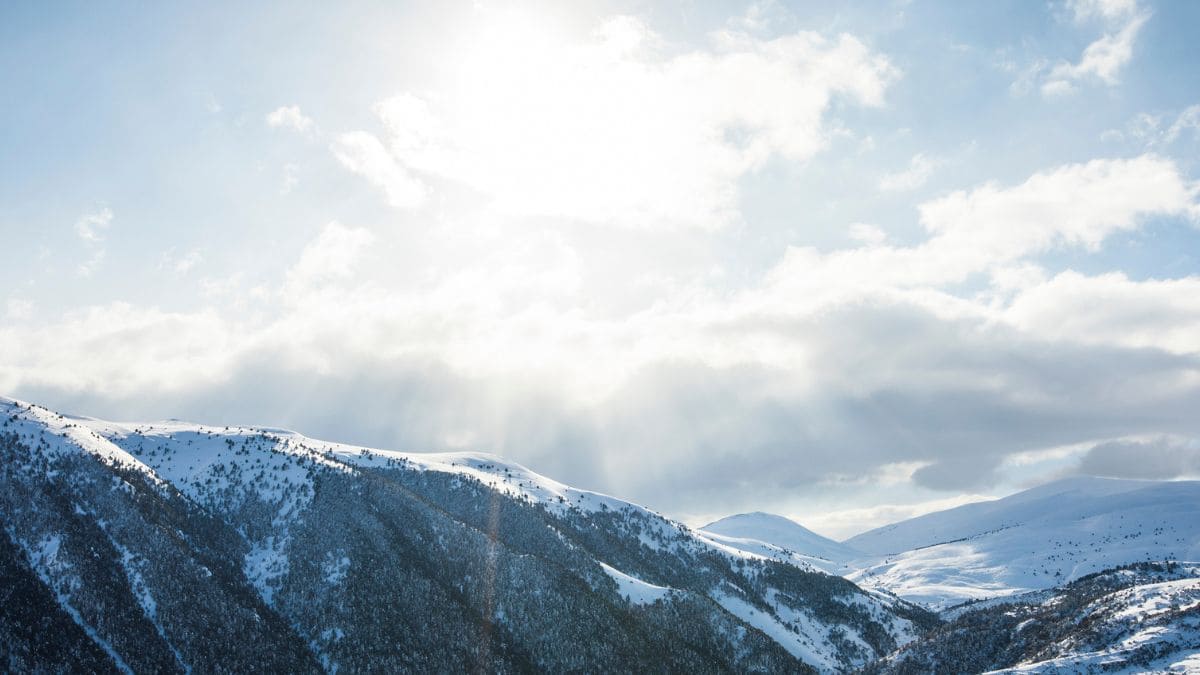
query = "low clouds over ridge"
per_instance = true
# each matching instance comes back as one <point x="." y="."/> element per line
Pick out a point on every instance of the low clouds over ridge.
<point x="818" y="262"/>
<point x="839" y="363"/>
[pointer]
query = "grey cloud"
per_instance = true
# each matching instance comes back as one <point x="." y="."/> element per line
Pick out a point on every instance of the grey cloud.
<point x="957" y="473"/>
<point x="1160" y="458"/>
<point x="887" y="383"/>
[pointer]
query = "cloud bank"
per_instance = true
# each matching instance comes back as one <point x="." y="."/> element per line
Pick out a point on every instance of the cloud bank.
<point x="834" y="364"/>
<point x="679" y="272"/>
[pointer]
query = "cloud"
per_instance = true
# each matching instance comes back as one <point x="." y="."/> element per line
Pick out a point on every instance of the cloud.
<point x="1103" y="59"/>
<point x="291" y="178"/>
<point x="1072" y="205"/>
<point x="1154" y="133"/>
<point x="364" y="155"/>
<point x="966" y="471"/>
<point x="761" y="15"/>
<point x="18" y="309"/>
<point x="612" y="130"/>
<point x="144" y="350"/>
<point x="882" y="383"/>
<point x="845" y="523"/>
<point x="87" y="267"/>
<point x="91" y="226"/>
<point x="1159" y="458"/>
<point x="1187" y="120"/>
<point x="330" y="257"/>
<point x="867" y="234"/>
<point x="991" y="227"/>
<point x="290" y="117"/>
<point x="1103" y="9"/>
<point x="920" y="168"/>
<point x="834" y="363"/>
<point x="180" y="263"/>
<point x="1112" y="309"/>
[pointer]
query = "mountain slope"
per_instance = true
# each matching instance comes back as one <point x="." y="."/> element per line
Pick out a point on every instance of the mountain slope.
<point x="1139" y="618"/>
<point x="173" y="547"/>
<point x="1031" y="540"/>
<point x="749" y="531"/>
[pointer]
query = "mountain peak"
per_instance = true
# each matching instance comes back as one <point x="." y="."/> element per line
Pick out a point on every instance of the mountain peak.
<point x="165" y="541"/>
<point x="785" y="533"/>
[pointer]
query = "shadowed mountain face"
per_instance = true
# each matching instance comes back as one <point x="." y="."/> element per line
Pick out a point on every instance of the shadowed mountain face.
<point x="168" y="547"/>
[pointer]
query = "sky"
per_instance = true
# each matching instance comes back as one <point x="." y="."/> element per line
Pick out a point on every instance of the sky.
<point x="845" y="263"/>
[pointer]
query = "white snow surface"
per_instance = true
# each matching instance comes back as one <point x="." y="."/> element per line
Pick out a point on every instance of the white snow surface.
<point x="224" y="468"/>
<point x="1029" y="541"/>
<point x="1032" y="540"/>
<point x="768" y="534"/>
<point x="635" y="590"/>
<point x="1156" y="615"/>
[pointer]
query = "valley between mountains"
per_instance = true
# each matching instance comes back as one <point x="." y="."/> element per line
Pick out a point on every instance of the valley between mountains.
<point x="176" y="547"/>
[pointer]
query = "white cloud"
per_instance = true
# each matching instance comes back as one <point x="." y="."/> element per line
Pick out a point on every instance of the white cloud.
<point x="91" y="226"/>
<point x="1103" y="9"/>
<point x="180" y="263"/>
<point x="843" y="524"/>
<point x="1027" y="77"/>
<point x="1075" y="204"/>
<point x="867" y="234"/>
<point x="1112" y="309"/>
<point x="612" y="131"/>
<point x="530" y="298"/>
<point x="19" y="309"/>
<point x="761" y="15"/>
<point x="290" y="117"/>
<point x="1154" y="132"/>
<point x="919" y="170"/>
<point x="87" y="267"/>
<point x="1187" y="120"/>
<point x="144" y="350"/>
<point x="853" y="360"/>
<point x="1104" y="58"/>
<point x="364" y="155"/>
<point x="291" y="179"/>
<point x="330" y="257"/>
<point x="989" y="227"/>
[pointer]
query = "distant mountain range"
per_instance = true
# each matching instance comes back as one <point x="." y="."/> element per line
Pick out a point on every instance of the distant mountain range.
<point x="175" y="547"/>
<point x="1031" y="540"/>
<point x="748" y="531"/>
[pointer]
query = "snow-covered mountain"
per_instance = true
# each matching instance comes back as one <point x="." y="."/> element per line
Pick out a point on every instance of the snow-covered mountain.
<point x="1137" y="619"/>
<point x="173" y="547"/>
<point x="1031" y="540"/>
<point x="763" y="532"/>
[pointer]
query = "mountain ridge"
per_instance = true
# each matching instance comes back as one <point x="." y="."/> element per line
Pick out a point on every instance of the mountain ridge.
<point x="1035" y="539"/>
<point x="751" y="531"/>
<point x="162" y="546"/>
<point x="480" y="561"/>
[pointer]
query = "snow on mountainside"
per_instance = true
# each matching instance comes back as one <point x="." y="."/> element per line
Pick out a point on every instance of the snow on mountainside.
<point x="1032" y="540"/>
<point x="1137" y="619"/>
<point x="170" y="547"/>
<point x="761" y="532"/>
<point x="168" y="543"/>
